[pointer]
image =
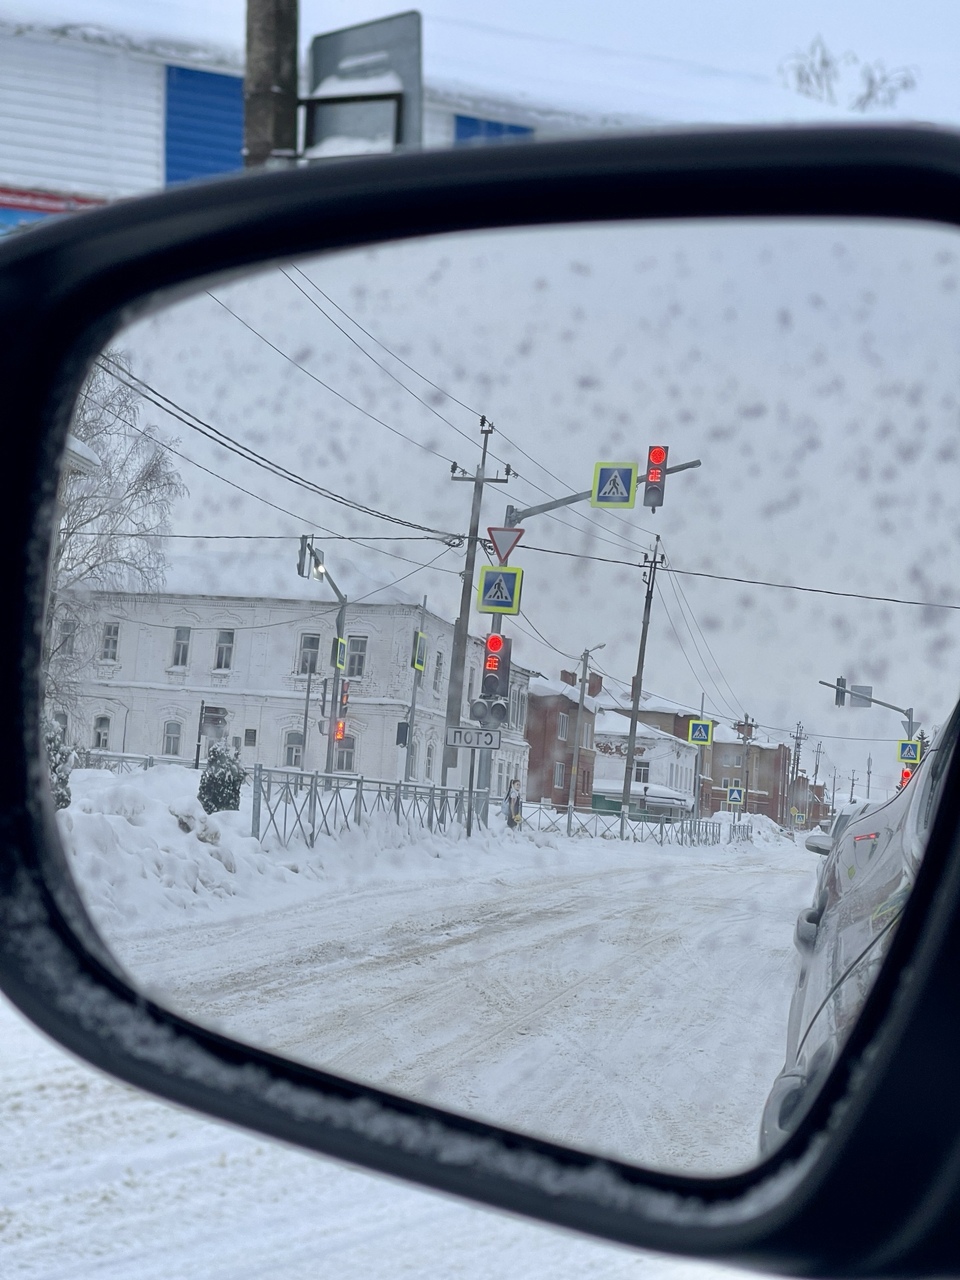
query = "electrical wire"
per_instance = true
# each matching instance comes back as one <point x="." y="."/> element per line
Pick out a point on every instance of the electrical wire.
<point x="216" y="436"/>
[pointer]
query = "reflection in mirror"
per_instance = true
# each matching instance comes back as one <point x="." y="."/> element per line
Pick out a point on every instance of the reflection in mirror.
<point x="561" y="879"/>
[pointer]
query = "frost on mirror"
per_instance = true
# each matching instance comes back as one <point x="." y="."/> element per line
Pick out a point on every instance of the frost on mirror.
<point x="491" y="865"/>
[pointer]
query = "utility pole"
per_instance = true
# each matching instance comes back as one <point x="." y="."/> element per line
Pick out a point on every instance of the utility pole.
<point x="652" y="561"/>
<point x="461" y="627"/>
<point x="745" y="730"/>
<point x="412" y="717"/>
<point x="833" y="796"/>
<point x="869" y="771"/>
<point x="572" y="794"/>
<point x="816" y="762"/>
<point x="799" y="738"/>
<point x="853" y="778"/>
<point x="270" y="84"/>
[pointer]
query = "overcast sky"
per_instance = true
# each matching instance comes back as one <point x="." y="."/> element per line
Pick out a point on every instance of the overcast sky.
<point x="685" y="60"/>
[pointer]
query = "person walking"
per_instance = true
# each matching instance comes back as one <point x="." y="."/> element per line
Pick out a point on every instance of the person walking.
<point x="512" y="807"/>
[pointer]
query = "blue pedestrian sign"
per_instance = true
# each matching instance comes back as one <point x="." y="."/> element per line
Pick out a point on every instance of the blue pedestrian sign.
<point x="735" y="795"/>
<point x="700" y="732"/>
<point x="499" y="590"/>
<point x="614" y="485"/>
<point x="908" y="751"/>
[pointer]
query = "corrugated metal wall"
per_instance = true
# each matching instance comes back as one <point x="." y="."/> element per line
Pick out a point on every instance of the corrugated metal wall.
<point x="204" y="123"/>
<point x="75" y="118"/>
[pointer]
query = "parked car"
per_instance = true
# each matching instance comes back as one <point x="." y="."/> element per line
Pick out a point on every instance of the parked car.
<point x="863" y="885"/>
<point x="823" y="841"/>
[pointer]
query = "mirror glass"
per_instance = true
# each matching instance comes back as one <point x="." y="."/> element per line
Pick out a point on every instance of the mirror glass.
<point x="690" y="488"/>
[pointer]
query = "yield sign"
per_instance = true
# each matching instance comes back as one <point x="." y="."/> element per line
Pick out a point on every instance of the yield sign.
<point x="504" y="540"/>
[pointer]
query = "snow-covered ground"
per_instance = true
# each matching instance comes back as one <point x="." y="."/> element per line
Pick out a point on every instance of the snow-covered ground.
<point x="627" y="997"/>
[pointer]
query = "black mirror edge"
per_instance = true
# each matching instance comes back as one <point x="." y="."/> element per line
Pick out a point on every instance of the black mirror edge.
<point x="868" y="1185"/>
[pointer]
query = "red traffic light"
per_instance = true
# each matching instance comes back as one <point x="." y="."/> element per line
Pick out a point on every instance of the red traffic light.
<point x="341" y="730"/>
<point x="657" y="456"/>
<point x="905" y="776"/>
<point x="494" y="642"/>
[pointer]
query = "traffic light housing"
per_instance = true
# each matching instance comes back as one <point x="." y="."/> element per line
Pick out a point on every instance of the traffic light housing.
<point x="655" y="476"/>
<point x="492" y="707"/>
<point x="344" y="696"/>
<point x="841" y="691"/>
<point x="906" y="773"/>
<point x="302" y="569"/>
<point x="340" y="732"/>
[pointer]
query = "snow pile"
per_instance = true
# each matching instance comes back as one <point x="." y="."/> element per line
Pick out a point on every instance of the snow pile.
<point x="143" y="850"/>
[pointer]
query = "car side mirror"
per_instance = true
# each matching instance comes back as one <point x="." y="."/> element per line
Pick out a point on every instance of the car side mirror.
<point x="820" y="1204"/>
<point x="818" y="842"/>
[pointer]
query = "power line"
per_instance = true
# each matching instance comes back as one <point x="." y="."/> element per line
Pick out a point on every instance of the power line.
<point x="248" y="492"/>
<point x="216" y="436"/>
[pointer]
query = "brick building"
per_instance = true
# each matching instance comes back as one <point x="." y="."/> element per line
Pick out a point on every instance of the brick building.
<point x="551" y="730"/>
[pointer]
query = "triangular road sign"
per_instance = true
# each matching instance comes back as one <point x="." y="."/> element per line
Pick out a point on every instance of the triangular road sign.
<point x="504" y="540"/>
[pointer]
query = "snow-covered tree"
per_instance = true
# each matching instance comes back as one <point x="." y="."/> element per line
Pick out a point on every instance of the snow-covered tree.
<point x="113" y="516"/>
<point x="222" y="779"/>
<point x="58" y="762"/>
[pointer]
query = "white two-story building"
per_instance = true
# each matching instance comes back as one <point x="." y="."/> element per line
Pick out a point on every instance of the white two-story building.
<point x="152" y="662"/>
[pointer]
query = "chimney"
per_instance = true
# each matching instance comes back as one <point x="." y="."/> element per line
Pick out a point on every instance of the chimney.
<point x="568" y="677"/>
<point x="594" y="684"/>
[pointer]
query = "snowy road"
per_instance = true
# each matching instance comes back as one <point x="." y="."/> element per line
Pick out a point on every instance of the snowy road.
<point x="630" y="1001"/>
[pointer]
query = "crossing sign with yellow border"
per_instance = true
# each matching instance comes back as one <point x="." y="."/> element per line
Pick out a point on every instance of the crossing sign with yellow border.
<point x="614" y="485"/>
<point x="700" y="732"/>
<point x="499" y="589"/>
<point x="908" y="751"/>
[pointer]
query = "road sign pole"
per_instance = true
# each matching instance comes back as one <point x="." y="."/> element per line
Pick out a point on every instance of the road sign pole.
<point x="412" y="716"/>
<point x="473" y="759"/>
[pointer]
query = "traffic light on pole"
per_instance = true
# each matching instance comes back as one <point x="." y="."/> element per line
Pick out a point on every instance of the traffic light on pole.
<point x="493" y="704"/>
<point x="340" y="732"/>
<point x="302" y="569"/>
<point x="841" y="691"/>
<point x="653" y="481"/>
<point x="344" y="696"/>
<point x="905" y="775"/>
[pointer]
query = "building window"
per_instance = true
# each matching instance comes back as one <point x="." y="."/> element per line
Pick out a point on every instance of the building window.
<point x="673" y="775"/>
<point x="724" y="783"/>
<point x="309" y="655"/>
<point x="428" y="772"/>
<point x="356" y="656"/>
<point x="224" y="658"/>
<point x="522" y="712"/>
<point x="585" y="784"/>
<point x="101" y="733"/>
<point x="68" y="638"/>
<point x="412" y="750"/>
<point x="181" y="646"/>
<point x="559" y="769"/>
<point x="514" y="707"/>
<point x="111" y="642"/>
<point x="171" y="738"/>
<point x="346" y="755"/>
<point x="563" y="726"/>
<point x="641" y="771"/>
<point x="60" y="719"/>
<point x="293" y="749"/>
<point x="438" y="673"/>
<point x="249" y="737"/>
<point x="586" y="735"/>
<point x="501" y="778"/>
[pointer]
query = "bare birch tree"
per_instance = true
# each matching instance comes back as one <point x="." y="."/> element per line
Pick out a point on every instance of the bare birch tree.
<point x="113" y="521"/>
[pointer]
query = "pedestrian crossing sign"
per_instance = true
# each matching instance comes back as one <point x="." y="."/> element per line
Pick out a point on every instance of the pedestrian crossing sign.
<point x="908" y="751"/>
<point x="700" y="732"/>
<point x="735" y="795"/>
<point x="614" y="485"/>
<point x="499" y="590"/>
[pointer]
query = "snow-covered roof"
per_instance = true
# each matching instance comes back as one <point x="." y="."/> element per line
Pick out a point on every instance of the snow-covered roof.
<point x="542" y="687"/>
<point x="80" y="457"/>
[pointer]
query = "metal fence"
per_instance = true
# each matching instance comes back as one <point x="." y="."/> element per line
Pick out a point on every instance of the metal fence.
<point x="613" y="826"/>
<point x="120" y="761"/>
<point x="292" y="804"/>
<point x="740" y="831"/>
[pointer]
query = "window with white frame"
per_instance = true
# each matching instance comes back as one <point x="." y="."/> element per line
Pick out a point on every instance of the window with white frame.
<point x="110" y="642"/>
<point x="181" y="646"/>
<point x="346" y="755"/>
<point x="224" y="655"/>
<point x="641" y="771"/>
<point x="438" y="672"/>
<point x="67" y="643"/>
<point x="309" y="655"/>
<point x="293" y="749"/>
<point x="501" y="777"/>
<point x="563" y="726"/>
<point x="172" y="732"/>
<point x="514" y="707"/>
<point x="559" y="771"/>
<point x="522" y="712"/>
<point x="356" y="656"/>
<point x="101" y="733"/>
<point x="586" y="735"/>
<point x="724" y="783"/>
<point x="429" y="758"/>
<point x="412" y="750"/>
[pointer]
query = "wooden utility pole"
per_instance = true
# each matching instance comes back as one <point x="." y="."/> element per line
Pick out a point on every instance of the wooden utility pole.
<point x="270" y="84"/>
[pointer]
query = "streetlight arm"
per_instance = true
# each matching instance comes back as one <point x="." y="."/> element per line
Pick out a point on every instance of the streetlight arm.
<point x="865" y="697"/>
